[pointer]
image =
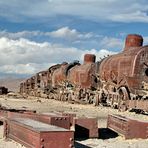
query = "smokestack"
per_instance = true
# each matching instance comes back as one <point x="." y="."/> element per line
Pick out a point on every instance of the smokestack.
<point x="133" y="40"/>
<point x="89" y="58"/>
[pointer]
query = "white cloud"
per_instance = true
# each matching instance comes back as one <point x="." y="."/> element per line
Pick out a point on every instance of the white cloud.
<point x="110" y="42"/>
<point x="137" y="16"/>
<point x="64" y="32"/>
<point x="145" y="39"/>
<point x="18" y="68"/>
<point x="29" y="68"/>
<point x="110" y="10"/>
<point x="71" y="34"/>
<point x="99" y="54"/>
<point x="23" y="56"/>
<point x="22" y="34"/>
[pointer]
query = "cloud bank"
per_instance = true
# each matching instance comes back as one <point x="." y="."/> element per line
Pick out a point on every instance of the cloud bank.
<point x="96" y="10"/>
<point x="69" y="37"/>
<point x="23" y="56"/>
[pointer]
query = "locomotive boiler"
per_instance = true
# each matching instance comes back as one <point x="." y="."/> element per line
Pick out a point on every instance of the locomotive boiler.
<point x="125" y="75"/>
<point x="119" y="81"/>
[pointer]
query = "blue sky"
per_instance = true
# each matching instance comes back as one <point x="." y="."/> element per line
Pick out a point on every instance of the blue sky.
<point x="34" y="34"/>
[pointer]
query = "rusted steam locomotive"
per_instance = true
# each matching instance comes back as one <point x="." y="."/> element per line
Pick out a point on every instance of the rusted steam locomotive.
<point x="120" y="80"/>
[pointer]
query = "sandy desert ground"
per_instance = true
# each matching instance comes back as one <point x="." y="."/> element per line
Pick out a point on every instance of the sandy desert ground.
<point x="104" y="141"/>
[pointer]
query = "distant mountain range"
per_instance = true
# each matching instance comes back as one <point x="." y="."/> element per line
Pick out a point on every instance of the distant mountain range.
<point x="12" y="83"/>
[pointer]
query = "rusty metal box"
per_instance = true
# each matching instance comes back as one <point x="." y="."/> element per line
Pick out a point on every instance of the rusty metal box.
<point x="49" y="118"/>
<point x="128" y="127"/>
<point x="35" y="134"/>
<point x="56" y="119"/>
<point x="70" y="115"/>
<point x="86" y="127"/>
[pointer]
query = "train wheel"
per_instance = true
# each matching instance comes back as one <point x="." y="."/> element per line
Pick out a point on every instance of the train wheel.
<point x="96" y="100"/>
<point x="90" y="100"/>
<point x="122" y="107"/>
<point x="60" y="97"/>
<point x="69" y="97"/>
<point x="51" y="96"/>
<point x="63" y="97"/>
<point x="123" y="96"/>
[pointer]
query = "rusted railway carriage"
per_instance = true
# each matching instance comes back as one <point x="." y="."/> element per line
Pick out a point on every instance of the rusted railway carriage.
<point x="119" y="80"/>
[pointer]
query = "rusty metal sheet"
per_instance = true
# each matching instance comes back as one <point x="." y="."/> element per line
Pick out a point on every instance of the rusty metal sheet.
<point x="86" y="127"/>
<point x="128" y="127"/>
<point x="35" y="134"/>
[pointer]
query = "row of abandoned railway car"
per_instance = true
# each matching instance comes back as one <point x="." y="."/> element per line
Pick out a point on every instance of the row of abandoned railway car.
<point x="119" y="81"/>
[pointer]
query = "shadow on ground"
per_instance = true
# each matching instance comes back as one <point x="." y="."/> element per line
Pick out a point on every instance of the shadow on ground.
<point x="104" y="134"/>
<point x="79" y="145"/>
